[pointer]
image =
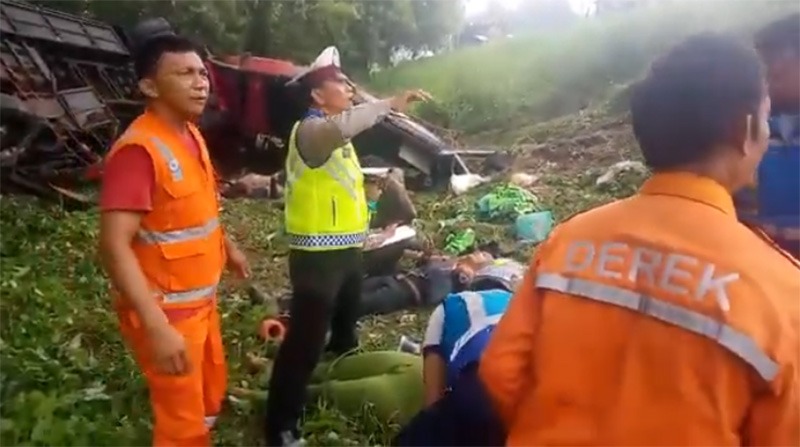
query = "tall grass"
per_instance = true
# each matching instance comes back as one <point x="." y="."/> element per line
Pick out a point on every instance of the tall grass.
<point x="541" y="76"/>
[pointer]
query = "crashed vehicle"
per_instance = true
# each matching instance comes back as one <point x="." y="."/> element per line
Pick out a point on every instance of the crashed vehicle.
<point x="68" y="90"/>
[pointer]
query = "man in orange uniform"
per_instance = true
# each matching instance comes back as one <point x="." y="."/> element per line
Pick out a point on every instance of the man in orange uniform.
<point x="660" y="319"/>
<point x="162" y="245"/>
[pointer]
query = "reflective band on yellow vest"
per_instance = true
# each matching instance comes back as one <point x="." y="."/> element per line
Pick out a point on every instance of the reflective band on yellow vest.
<point x="729" y="338"/>
<point x="326" y="207"/>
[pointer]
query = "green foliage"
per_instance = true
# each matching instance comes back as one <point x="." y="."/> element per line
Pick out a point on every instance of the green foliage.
<point x="68" y="380"/>
<point x="366" y="32"/>
<point x="538" y="76"/>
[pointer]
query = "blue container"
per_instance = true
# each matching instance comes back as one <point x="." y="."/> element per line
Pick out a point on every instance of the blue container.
<point x="534" y="227"/>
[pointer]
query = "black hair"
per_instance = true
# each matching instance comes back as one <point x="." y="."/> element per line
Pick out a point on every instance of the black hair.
<point x="694" y="97"/>
<point x="781" y="34"/>
<point x="146" y="57"/>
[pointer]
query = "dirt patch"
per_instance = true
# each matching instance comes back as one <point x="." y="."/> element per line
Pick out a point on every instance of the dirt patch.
<point x="586" y="145"/>
<point x="572" y="145"/>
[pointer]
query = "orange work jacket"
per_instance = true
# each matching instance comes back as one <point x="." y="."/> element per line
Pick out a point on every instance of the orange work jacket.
<point x="655" y="320"/>
<point x="180" y="244"/>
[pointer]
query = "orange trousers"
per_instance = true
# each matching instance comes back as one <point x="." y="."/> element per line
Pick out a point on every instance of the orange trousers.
<point x="184" y="407"/>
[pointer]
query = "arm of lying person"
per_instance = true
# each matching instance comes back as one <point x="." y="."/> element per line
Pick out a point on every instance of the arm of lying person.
<point x="318" y="137"/>
<point x="504" y="368"/>
<point x="376" y="238"/>
<point x="434" y="366"/>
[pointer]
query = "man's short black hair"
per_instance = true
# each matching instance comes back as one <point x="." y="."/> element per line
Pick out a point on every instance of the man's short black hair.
<point x="693" y="99"/>
<point x="782" y="34"/>
<point x="146" y="57"/>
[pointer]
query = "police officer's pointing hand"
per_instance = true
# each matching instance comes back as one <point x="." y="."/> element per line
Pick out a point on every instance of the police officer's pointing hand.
<point x="400" y="102"/>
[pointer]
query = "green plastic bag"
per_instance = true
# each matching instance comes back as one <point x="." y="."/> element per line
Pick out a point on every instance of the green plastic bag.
<point x="534" y="227"/>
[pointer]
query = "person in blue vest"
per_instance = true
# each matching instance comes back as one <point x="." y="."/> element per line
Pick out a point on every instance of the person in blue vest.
<point x="773" y="203"/>
<point x="457" y="411"/>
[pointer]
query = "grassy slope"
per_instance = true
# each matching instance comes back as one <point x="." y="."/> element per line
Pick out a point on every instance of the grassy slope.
<point x="65" y="378"/>
<point x="537" y="77"/>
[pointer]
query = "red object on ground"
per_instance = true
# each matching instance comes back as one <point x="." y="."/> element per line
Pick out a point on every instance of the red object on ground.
<point x="272" y="329"/>
<point x="94" y="172"/>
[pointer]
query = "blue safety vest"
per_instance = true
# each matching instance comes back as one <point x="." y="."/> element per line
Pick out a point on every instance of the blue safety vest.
<point x="469" y="318"/>
<point x="774" y="203"/>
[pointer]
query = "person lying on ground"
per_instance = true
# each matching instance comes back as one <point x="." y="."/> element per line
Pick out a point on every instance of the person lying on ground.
<point x="660" y="318"/>
<point x="389" y="381"/>
<point x="458" y="411"/>
<point x="429" y="283"/>
<point x="434" y="278"/>
<point x="774" y="204"/>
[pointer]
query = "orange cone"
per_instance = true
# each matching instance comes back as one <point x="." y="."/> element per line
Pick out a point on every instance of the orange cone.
<point x="272" y="329"/>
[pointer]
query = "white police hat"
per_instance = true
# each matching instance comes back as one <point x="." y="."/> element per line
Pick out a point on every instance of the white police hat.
<point x="329" y="58"/>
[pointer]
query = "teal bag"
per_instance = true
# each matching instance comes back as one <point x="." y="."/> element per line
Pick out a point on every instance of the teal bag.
<point x="534" y="227"/>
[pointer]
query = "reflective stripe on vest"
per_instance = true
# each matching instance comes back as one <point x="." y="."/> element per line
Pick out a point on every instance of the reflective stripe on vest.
<point x="333" y="166"/>
<point x="172" y="163"/>
<point x="190" y="295"/>
<point x="734" y="341"/>
<point x="182" y="235"/>
<point x="326" y="240"/>
<point x="325" y="206"/>
<point x="175" y="169"/>
<point x="150" y="237"/>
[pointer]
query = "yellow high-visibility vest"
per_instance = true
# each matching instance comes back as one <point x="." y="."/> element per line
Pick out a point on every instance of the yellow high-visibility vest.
<point x="326" y="207"/>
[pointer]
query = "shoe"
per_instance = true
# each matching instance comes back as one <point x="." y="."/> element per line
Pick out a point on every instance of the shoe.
<point x="289" y="439"/>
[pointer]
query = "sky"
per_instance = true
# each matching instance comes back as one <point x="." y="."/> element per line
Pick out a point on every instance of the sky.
<point x="476" y="7"/>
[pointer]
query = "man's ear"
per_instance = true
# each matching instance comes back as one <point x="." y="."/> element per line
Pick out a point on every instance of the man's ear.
<point x="316" y="96"/>
<point x="739" y="133"/>
<point x="148" y="88"/>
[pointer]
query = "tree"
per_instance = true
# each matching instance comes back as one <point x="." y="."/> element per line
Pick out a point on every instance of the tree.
<point x="366" y="32"/>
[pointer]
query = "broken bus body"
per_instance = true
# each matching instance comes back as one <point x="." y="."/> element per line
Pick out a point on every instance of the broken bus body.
<point x="68" y="90"/>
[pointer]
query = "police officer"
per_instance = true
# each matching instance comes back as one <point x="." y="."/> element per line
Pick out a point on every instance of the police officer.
<point x="774" y="204"/>
<point x="661" y="319"/>
<point x="326" y="219"/>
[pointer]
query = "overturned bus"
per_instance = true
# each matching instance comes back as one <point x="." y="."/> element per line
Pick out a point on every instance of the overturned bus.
<point x="68" y="90"/>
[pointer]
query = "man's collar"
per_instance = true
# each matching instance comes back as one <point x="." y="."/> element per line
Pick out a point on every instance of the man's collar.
<point x="692" y="187"/>
<point x="314" y="113"/>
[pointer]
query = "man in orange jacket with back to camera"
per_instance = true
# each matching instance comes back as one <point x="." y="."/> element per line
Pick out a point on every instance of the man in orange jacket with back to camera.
<point x="660" y="319"/>
<point x="163" y="247"/>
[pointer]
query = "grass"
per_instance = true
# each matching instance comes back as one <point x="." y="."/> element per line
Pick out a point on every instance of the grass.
<point x="536" y="77"/>
<point x="67" y="379"/>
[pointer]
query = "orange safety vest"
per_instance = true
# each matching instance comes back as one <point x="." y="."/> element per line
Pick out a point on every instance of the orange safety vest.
<point x="180" y="243"/>
<point x="658" y="319"/>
